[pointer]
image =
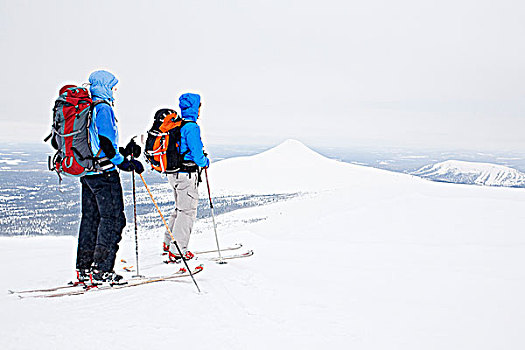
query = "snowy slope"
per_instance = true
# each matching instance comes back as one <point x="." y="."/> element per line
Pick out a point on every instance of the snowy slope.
<point x="457" y="171"/>
<point x="364" y="259"/>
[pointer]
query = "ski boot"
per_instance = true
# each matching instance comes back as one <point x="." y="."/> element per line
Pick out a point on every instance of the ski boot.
<point x="176" y="258"/>
<point x="165" y="248"/>
<point x="99" y="277"/>
<point x="82" y="277"/>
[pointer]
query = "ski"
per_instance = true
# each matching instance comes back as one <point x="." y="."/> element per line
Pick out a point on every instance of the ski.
<point x="224" y="257"/>
<point x="234" y="256"/>
<point x="70" y="284"/>
<point x="199" y="252"/>
<point x="89" y="288"/>
<point x="233" y="247"/>
<point x="52" y="289"/>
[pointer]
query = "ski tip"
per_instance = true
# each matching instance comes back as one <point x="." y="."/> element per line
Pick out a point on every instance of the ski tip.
<point x="9" y="291"/>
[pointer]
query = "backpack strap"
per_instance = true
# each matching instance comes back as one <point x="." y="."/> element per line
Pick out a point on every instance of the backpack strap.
<point x="101" y="163"/>
<point x="187" y="166"/>
<point x="186" y="121"/>
<point x="97" y="102"/>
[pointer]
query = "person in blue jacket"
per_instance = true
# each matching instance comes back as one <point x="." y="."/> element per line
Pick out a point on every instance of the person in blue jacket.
<point x="103" y="216"/>
<point x="186" y="181"/>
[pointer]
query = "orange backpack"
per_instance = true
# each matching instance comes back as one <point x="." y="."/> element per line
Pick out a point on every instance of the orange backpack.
<point x="162" y="149"/>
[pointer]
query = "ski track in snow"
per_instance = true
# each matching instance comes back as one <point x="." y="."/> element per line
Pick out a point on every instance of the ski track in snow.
<point x="363" y="259"/>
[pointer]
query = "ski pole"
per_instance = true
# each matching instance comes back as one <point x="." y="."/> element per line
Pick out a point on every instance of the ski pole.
<point x="135" y="219"/>
<point x="221" y="261"/>
<point x="169" y="231"/>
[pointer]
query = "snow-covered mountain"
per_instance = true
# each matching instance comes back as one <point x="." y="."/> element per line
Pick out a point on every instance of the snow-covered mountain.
<point x="356" y="258"/>
<point x="487" y="174"/>
<point x="288" y="167"/>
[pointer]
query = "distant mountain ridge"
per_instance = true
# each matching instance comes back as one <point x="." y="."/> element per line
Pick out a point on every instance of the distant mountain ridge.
<point x="485" y="174"/>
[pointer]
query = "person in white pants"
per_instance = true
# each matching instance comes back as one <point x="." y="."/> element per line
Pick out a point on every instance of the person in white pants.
<point x="186" y="181"/>
<point x="181" y="221"/>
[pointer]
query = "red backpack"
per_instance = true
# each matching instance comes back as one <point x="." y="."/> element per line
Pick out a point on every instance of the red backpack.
<point x="72" y="115"/>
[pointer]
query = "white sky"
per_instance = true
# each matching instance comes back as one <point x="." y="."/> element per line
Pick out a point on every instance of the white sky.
<point x="446" y="74"/>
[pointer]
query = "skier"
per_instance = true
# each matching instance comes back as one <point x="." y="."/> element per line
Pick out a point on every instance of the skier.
<point x="103" y="216"/>
<point x="186" y="181"/>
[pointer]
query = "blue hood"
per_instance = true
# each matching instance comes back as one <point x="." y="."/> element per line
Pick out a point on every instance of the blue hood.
<point x="189" y="106"/>
<point x="101" y="84"/>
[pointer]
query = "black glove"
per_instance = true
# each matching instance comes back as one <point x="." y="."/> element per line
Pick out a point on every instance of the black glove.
<point x="129" y="165"/>
<point x="131" y="149"/>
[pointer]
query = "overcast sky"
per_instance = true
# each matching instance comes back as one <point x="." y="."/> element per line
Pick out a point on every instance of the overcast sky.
<point x="377" y="73"/>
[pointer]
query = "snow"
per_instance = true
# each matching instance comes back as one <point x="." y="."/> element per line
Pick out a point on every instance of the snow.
<point x="364" y="259"/>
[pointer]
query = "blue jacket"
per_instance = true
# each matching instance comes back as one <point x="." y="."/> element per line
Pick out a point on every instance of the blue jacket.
<point x="103" y="121"/>
<point x="191" y="133"/>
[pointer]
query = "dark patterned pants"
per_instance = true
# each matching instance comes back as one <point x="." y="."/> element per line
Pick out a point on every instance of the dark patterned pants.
<point x="102" y="221"/>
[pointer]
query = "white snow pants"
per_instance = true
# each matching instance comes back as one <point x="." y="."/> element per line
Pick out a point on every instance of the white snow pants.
<point x="186" y="201"/>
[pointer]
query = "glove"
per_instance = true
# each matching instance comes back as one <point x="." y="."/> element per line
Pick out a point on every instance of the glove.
<point x="129" y="165"/>
<point x="131" y="149"/>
